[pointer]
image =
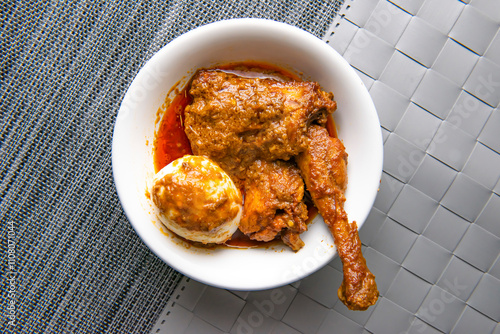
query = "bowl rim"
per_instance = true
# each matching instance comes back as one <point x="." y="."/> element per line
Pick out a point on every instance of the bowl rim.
<point x="276" y="27"/>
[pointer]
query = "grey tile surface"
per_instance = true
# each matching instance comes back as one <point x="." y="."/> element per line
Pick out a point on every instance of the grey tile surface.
<point x="493" y="51"/>
<point x="384" y="268"/>
<point x="358" y="317"/>
<point x="484" y="81"/>
<point x="242" y="294"/>
<point x="198" y="325"/>
<point x="489" y="8"/>
<point x="413" y="209"/>
<point x="174" y="319"/>
<point x="476" y="39"/>
<point x="420" y="327"/>
<point x="390" y="188"/>
<point x="455" y="62"/>
<point x="367" y="80"/>
<point x="394" y="240"/>
<point x="436" y="93"/>
<point x="390" y="104"/>
<point x="389" y="317"/>
<point x="446" y="228"/>
<point x="365" y="42"/>
<point x="282" y="328"/>
<point x="190" y="293"/>
<point x="433" y="177"/>
<point x="359" y="12"/>
<point x="421" y="41"/>
<point x="418" y="126"/>
<point x="408" y="290"/>
<point x="251" y="318"/>
<point x="339" y="323"/>
<point x="495" y="268"/>
<point x="451" y="145"/>
<point x="401" y="158"/>
<point x="388" y="22"/>
<point x="219" y="307"/>
<point x="489" y="219"/>
<point x="323" y="286"/>
<point x="273" y="303"/>
<point x="442" y="14"/>
<point x="485" y="174"/>
<point x="469" y="114"/>
<point x="472" y="321"/>
<point x="305" y="314"/>
<point x="478" y="247"/>
<point x="343" y="35"/>
<point x="403" y="74"/>
<point x="427" y="259"/>
<point x="441" y="309"/>
<point x="459" y="278"/>
<point x="466" y="197"/>
<point x="411" y="7"/>
<point x="490" y="136"/>
<point x="486" y="296"/>
<point x="372" y="225"/>
<point x="336" y="263"/>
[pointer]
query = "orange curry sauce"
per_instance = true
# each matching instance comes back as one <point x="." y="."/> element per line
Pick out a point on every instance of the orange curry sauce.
<point x="172" y="143"/>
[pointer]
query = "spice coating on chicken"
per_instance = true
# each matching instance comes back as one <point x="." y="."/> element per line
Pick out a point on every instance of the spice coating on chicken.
<point x="236" y="120"/>
<point x="274" y="205"/>
<point x="324" y="168"/>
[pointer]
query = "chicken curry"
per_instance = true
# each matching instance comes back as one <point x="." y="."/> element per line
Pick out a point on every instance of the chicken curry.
<point x="269" y="132"/>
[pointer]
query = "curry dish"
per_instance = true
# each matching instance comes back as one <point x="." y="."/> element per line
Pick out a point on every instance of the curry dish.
<point x="269" y="134"/>
<point x="251" y="118"/>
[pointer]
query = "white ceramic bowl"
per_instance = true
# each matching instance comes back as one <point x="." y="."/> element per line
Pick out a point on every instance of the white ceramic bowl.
<point x="241" y="40"/>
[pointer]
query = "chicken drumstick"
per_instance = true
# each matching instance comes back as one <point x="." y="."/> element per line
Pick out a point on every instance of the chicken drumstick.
<point x="324" y="168"/>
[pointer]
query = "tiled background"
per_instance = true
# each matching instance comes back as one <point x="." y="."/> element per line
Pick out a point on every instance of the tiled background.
<point x="433" y="237"/>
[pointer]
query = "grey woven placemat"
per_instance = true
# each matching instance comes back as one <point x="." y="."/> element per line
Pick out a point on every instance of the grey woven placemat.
<point x="71" y="261"/>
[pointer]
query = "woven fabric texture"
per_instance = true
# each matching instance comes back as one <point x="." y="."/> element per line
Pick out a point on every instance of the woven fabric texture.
<point x="71" y="261"/>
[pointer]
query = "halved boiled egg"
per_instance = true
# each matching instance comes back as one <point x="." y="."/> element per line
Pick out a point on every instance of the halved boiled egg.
<point x="197" y="200"/>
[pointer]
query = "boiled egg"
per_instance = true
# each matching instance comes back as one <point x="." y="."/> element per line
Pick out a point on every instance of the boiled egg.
<point x="197" y="200"/>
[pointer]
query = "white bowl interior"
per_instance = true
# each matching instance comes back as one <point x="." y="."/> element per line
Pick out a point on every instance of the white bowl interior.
<point x="244" y="40"/>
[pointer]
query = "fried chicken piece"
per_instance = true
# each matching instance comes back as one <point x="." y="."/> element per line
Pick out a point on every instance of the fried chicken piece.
<point x="273" y="203"/>
<point x="236" y="120"/>
<point x="324" y="168"/>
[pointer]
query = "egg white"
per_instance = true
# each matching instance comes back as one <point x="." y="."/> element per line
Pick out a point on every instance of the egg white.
<point x="213" y="189"/>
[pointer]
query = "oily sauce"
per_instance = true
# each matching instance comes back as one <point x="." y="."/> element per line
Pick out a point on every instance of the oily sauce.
<point x="172" y="143"/>
<point x="330" y="126"/>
